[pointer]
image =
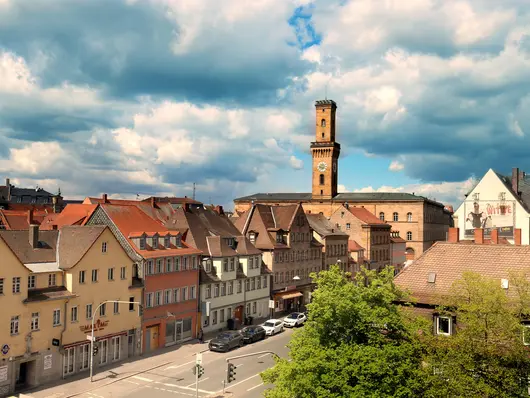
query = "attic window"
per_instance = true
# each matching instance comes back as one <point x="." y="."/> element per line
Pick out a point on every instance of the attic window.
<point x="505" y="283"/>
<point x="432" y="277"/>
<point x="142" y="243"/>
<point x="166" y="242"/>
<point x="252" y="237"/>
<point x="155" y="242"/>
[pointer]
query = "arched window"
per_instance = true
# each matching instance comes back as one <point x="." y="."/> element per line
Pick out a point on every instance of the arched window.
<point x="409" y="217"/>
<point x="321" y="179"/>
<point x="323" y="123"/>
<point x="409" y="235"/>
<point x="395" y="216"/>
<point x="382" y="216"/>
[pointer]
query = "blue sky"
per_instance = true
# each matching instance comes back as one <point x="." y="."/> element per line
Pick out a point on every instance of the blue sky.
<point x="147" y="97"/>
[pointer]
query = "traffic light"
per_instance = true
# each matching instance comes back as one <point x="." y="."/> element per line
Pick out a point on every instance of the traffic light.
<point x="200" y="369"/>
<point x="95" y="352"/>
<point x="231" y="373"/>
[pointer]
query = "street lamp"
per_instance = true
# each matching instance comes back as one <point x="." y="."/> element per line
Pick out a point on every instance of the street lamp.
<point x="92" y="335"/>
<point x="296" y="278"/>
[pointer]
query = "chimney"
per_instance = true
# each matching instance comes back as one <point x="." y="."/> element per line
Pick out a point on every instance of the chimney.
<point x="494" y="236"/>
<point x="104" y="197"/>
<point x="186" y="207"/>
<point x="34" y="236"/>
<point x="54" y="227"/>
<point x="479" y="236"/>
<point x="517" y="236"/>
<point x="346" y="205"/>
<point x="153" y="201"/>
<point x="8" y="185"/>
<point x="30" y="216"/>
<point x="453" y="235"/>
<point x="219" y="210"/>
<point x="515" y="180"/>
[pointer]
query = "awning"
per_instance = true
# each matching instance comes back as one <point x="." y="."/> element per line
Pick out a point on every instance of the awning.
<point x="287" y="295"/>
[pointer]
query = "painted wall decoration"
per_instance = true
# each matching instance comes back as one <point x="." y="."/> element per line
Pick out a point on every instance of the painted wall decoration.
<point x="489" y="214"/>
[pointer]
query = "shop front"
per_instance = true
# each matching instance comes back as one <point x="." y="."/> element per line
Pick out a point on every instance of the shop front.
<point x="164" y="332"/>
<point x="288" y="301"/>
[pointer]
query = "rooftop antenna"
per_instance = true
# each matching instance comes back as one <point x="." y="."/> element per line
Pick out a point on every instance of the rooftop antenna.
<point x="326" y="91"/>
<point x="193" y="191"/>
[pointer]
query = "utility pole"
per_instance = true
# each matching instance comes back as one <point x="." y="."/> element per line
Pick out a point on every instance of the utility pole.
<point x="193" y="191"/>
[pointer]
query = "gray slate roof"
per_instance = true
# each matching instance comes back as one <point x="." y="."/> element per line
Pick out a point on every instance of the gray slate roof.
<point x="524" y="188"/>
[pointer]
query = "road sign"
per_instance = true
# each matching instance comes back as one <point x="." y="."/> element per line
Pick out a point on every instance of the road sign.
<point x="271" y="303"/>
<point x="89" y="338"/>
<point x="198" y="358"/>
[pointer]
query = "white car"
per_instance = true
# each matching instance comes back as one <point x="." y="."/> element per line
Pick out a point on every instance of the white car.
<point x="273" y="326"/>
<point x="294" y="319"/>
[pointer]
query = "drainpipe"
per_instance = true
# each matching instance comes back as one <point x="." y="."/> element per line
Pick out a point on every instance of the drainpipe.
<point x="64" y="327"/>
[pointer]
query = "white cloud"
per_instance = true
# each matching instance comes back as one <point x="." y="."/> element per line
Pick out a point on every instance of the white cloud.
<point x="296" y="163"/>
<point x="38" y="156"/>
<point x="395" y="165"/>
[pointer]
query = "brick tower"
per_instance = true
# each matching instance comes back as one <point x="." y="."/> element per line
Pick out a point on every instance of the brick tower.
<point x="325" y="151"/>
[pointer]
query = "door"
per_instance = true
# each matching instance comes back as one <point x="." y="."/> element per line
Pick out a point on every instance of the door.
<point x="130" y="343"/>
<point x="103" y="351"/>
<point x="21" y="376"/>
<point x="178" y="330"/>
<point x="153" y="343"/>
<point x="68" y="361"/>
<point x="238" y="313"/>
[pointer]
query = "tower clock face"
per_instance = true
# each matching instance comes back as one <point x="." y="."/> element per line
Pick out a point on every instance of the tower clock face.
<point x="322" y="166"/>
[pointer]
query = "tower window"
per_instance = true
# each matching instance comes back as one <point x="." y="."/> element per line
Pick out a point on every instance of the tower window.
<point x="322" y="192"/>
<point x="323" y="123"/>
<point x="382" y="216"/>
<point x="321" y="179"/>
<point x="322" y="135"/>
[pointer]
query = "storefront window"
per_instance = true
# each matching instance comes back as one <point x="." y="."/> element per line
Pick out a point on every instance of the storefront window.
<point x="170" y="332"/>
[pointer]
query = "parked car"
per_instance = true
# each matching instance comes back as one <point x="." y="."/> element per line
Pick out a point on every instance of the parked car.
<point x="251" y="334"/>
<point x="273" y="326"/>
<point x="225" y="341"/>
<point x="294" y="319"/>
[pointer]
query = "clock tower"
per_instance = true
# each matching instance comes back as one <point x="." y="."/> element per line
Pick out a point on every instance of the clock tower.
<point x="325" y="151"/>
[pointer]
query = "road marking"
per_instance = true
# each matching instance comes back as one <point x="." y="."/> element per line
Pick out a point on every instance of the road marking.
<point x="251" y="388"/>
<point x="238" y="383"/>
<point x="142" y="378"/>
<point x="98" y="396"/>
<point x="192" y="384"/>
<point x="132" y="382"/>
<point x="166" y="384"/>
<point x="264" y="355"/>
<point x="179" y="366"/>
<point x="193" y="389"/>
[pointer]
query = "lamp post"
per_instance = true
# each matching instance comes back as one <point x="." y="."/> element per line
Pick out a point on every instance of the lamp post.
<point x="296" y="278"/>
<point x="92" y="333"/>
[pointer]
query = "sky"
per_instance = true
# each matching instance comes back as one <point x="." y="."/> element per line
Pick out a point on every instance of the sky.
<point x="148" y="97"/>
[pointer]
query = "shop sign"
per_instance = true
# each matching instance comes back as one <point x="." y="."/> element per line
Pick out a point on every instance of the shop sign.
<point x="98" y="325"/>
<point x="489" y="215"/>
<point x="47" y="362"/>
<point x="5" y="349"/>
<point x="3" y="373"/>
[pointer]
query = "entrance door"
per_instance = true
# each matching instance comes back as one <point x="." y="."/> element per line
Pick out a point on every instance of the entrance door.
<point x="22" y="376"/>
<point x="152" y="335"/>
<point x="238" y="313"/>
<point x="178" y="331"/>
<point x="68" y="361"/>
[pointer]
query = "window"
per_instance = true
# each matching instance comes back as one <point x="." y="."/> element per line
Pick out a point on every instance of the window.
<point x="176" y="295"/>
<point x="230" y="287"/>
<point x="56" y="317"/>
<point x="225" y="265"/>
<point x="2" y="286"/>
<point x="31" y="281"/>
<point x="159" y="267"/>
<point x="150" y="267"/>
<point x="73" y="314"/>
<point x="116" y="308"/>
<point x="103" y="350"/>
<point x="382" y="216"/>
<point x="232" y="264"/>
<point x="253" y="284"/>
<point x="247" y="285"/>
<point x="208" y="267"/>
<point x="194" y="262"/>
<point x="167" y="296"/>
<point x="169" y="265"/>
<point x="321" y="178"/>
<point x="409" y="235"/>
<point x="229" y="313"/>
<point x="526" y="334"/>
<point x="115" y="347"/>
<point x="184" y="263"/>
<point x="84" y="351"/>
<point x="252" y="237"/>
<point x="222" y="315"/>
<point x="88" y="311"/>
<point x="395" y="216"/>
<point x="123" y="272"/>
<point x="214" y="317"/>
<point x="257" y="262"/>
<point x="323" y="123"/>
<point x="177" y="263"/>
<point x="103" y="310"/>
<point x="247" y="309"/>
<point x="34" y="321"/>
<point x="223" y="289"/>
<point x="82" y="277"/>
<point x="16" y="284"/>
<point x="142" y="243"/>
<point x="265" y="281"/>
<point x="131" y="303"/>
<point x="254" y="307"/>
<point x="409" y="217"/>
<point x="444" y="325"/>
<point x="14" y="324"/>
<point x="149" y="300"/>
<point x="184" y="293"/>
<point x="158" y="298"/>
<point x="216" y="290"/>
<point x="166" y="242"/>
<point x="111" y="274"/>
<point x="94" y="275"/>
<point x="193" y="290"/>
<point x="251" y="262"/>
<point x="103" y="247"/>
<point x="208" y="291"/>
<point x="155" y="242"/>
<point x="239" y="286"/>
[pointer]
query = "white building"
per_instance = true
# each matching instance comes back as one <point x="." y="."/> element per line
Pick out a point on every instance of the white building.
<point x="497" y="201"/>
<point x="234" y="282"/>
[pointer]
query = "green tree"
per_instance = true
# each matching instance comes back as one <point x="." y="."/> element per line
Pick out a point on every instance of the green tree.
<point x="356" y="343"/>
<point x="486" y="356"/>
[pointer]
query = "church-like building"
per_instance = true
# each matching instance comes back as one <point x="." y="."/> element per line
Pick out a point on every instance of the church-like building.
<point x="418" y="220"/>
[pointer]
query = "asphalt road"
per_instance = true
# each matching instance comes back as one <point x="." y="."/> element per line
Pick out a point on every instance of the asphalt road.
<point x="178" y="381"/>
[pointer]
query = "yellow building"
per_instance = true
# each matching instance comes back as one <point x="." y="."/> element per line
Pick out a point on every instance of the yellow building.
<point x="48" y="279"/>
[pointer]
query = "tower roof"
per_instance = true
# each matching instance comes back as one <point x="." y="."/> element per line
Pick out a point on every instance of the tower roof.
<point x="326" y="102"/>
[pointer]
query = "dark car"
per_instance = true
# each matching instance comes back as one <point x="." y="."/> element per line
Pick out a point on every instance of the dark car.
<point x="251" y="334"/>
<point x="225" y="341"/>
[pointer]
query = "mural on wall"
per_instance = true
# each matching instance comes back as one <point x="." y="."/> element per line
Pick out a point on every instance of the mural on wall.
<point x="489" y="214"/>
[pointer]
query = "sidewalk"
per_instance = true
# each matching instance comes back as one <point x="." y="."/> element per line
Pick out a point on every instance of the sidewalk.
<point x="163" y="357"/>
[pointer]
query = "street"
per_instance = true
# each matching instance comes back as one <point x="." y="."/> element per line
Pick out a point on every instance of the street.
<point x="177" y="380"/>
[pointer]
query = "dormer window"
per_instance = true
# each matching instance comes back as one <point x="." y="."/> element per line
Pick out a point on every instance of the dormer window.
<point x="279" y="237"/>
<point x="208" y="265"/>
<point x="179" y="241"/>
<point x="166" y="242"/>
<point x="252" y="237"/>
<point x="155" y="242"/>
<point x="142" y="243"/>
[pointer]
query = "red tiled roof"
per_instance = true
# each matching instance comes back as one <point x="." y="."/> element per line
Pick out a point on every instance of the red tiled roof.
<point x="353" y="246"/>
<point x="450" y="260"/>
<point x="18" y="219"/>
<point x="72" y="214"/>
<point x="365" y="216"/>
